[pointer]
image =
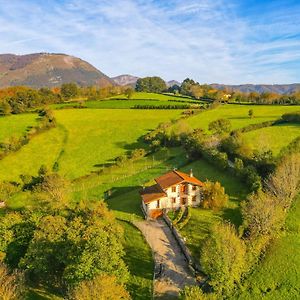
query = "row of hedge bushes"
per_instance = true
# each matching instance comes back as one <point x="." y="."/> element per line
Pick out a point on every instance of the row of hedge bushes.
<point x="177" y="106"/>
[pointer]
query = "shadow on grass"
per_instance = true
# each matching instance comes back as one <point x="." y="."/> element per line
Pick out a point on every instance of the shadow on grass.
<point x="125" y="199"/>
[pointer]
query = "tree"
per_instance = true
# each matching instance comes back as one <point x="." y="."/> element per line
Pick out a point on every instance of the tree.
<point x="103" y="287"/>
<point x="5" y="108"/>
<point x="284" y="183"/>
<point x="150" y="85"/>
<point x="223" y="258"/>
<point x="129" y="93"/>
<point x="11" y="285"/>
<point x="195" y="293"/>
<point x="251" y="113"/>
<point x="214" y="195"/>
<point x="69" y="90"/>
<point x="262" y="215"/>
<point x="75" y="246"/>
<point x="220" y="126"/>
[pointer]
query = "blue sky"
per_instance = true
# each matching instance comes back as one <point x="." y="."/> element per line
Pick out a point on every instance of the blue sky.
<point x="224" y="41"/>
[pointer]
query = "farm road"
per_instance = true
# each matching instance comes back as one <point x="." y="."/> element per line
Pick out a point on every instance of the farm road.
<point x="172" y="272"/>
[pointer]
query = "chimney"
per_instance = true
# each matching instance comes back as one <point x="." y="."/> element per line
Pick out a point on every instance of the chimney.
<point x="191" y="173"/>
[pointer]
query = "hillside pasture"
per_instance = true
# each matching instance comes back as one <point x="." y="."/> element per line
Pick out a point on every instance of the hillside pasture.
<point x="238" y="115"/>
<point x="43" y="149"/>
<point x="152" y="96"/>
<point x="16" y="125"/>
<point x="272" y="138"/>
<point x="122" y="104"/>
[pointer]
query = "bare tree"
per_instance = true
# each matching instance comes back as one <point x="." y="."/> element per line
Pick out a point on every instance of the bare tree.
<point x="284" y="183"/>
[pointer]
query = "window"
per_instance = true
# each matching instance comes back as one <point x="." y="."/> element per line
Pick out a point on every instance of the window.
<point x="194" y="188"/>
<point x="157" y="204"/>
<point x="173" y="189"/>
<point x="194" y="198"/>
<point x="173" y="200"/>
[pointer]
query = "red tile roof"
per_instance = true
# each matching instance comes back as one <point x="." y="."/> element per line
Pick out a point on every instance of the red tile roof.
<point x="168" y="179"/>
<point x="152" y="193"/>
<point x="189" y="179"/>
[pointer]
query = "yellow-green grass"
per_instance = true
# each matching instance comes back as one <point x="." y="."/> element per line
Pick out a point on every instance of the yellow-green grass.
<point x="272" y="138"/>
<point x="155" y="96"/>
<point x="96" y="137"/>
<point x="201" y="219"/>
<point x="238" y="115"/>
<point x="277" y="277"/>
<point x="131" y="103"/>
<point x="43" y="149"/>
<point x="140" y="263"/>
<point x="16" y="125"/>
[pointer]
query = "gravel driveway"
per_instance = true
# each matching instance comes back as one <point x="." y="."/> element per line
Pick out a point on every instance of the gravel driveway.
<point x="172" y="272"/>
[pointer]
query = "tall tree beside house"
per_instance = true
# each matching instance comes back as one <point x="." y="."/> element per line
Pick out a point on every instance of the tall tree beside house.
<point x="214" y="195"/>
<point x="150" y="85"/>
<point x="223" y="258"/>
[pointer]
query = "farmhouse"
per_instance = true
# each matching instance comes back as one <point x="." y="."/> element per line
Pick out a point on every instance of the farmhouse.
<point x="171" y="191"/>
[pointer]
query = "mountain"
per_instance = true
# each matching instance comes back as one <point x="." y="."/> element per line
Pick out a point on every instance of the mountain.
<point x="172" y="83"/>
<point x="45" y="69"/>
<point x="260" y="88"/>
<point x="125" y="79"/>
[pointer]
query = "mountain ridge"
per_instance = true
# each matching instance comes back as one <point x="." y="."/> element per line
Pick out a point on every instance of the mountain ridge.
<point x="48" y="70"/>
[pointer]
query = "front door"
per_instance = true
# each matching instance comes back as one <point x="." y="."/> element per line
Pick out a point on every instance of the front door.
<point x="183" y="201"/>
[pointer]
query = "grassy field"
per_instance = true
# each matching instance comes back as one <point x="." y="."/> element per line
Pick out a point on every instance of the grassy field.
<point x="201" y="220"/>
<point x="139" y="260"/>
<point x="238" y="115"/>
<point x="272" y="138"/>
<point x="122" y="104"/>
<point x="96" y="137"/>
<point x="152" y="96"/>
<point x="16" y="125"/>
<point x="42" y="149"/>
<point x="84" y="141"/>
<point x="278" y="275"/>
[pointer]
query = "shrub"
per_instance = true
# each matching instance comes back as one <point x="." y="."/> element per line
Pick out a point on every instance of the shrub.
<point x="223" y="258"/>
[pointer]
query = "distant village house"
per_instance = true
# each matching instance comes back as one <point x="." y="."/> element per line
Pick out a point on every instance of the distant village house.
<point x="171" y="191"/>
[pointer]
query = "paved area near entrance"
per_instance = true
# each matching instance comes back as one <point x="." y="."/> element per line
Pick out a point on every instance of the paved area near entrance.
<point x="172" y="272"/>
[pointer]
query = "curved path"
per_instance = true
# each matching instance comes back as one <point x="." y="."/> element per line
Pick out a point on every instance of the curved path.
<point x="172" y="272"/>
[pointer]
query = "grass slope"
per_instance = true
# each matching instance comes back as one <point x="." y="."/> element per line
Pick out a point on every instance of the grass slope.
<point x="278" y="275"/>
<point x="238" y="115"/>
<point x="42" y="149"/>
<point x="139" y="260"/>
<point x="272" y="138"/>
<point x="96" y="137"/>
<point x="16" y="125"/>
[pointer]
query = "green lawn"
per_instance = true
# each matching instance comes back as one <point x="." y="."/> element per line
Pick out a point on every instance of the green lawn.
<point x="238" y="115"/>
<point x="124" y="104"/>
<point x="96" y="137"/>
<point x="42" y="149"/>
<point x="16" y="125"/>
<point x="139" y="260"/>
<point x="153" y="96"/>
<point x="201" y="220"/>
<point x="272" y="138"/>
<point x="278" y="275"/>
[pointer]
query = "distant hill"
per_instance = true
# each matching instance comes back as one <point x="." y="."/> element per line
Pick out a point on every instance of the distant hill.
<point x="125" y="79"/>
<point x="260" y="88"/>
<point x="172" y="83"/>
<point x="44" y="69"/>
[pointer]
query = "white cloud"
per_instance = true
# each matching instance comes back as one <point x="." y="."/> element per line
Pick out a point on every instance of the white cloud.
<point x="207" y="40"/>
